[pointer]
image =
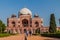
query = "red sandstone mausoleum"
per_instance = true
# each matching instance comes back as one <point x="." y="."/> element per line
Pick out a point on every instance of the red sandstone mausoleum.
<point x="25" y="23"/>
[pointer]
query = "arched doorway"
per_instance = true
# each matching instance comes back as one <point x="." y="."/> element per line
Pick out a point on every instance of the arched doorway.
<point x="37" y="24"/>
<point x="13" y="23"/>
<point x="30" y="32"/>
<point x="25" y="22"/>
<point x="25" y="30"/>
<point x="37" y="30"/>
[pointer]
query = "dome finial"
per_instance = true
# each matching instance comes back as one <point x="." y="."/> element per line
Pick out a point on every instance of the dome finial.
<point x="25" y="6"/>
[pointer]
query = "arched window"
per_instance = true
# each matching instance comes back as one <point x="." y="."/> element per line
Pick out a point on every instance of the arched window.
<point x="18" y="25"/>
<point x="20" y="30"/>
<point x="37" y="24"/>
<point x="25" y="22"/>
<point x="13" y="23"/>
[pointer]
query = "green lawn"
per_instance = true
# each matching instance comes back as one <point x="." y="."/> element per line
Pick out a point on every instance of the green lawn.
<point x="4" y="34"/>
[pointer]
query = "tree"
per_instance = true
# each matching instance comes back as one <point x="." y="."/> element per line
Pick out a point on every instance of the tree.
<point x="2" y="26"/>
<point x="52" y="28"/>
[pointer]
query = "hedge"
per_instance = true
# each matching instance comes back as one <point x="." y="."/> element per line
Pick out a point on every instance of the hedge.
<point x="55" y="35"/>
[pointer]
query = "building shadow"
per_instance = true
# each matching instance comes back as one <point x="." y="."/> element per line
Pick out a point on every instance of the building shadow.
<point x="25" y="38"/>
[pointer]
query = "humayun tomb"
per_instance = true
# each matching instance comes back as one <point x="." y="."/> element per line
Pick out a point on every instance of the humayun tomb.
<point x="25" y="23"/>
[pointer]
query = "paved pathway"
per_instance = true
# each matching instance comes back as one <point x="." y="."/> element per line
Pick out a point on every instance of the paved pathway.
<point x="21" y="37"/>
<point x="40" y="38"/>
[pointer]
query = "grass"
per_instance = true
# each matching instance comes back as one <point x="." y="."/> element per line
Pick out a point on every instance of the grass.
<point x="4" y="34"/>
<point x="36" y="34"/>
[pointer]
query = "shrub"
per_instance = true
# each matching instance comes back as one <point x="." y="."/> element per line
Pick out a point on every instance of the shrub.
<point x="55" y="35"/>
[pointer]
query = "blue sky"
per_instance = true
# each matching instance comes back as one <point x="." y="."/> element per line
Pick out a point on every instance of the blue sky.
<point x="43" y="7"/>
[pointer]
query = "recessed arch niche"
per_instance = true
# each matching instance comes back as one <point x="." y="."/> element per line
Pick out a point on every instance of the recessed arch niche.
<point x="25" y="22"/>
<point x="37" y="24"/>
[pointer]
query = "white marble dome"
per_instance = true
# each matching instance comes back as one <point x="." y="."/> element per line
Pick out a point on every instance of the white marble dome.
<point x="25" y="11"/>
